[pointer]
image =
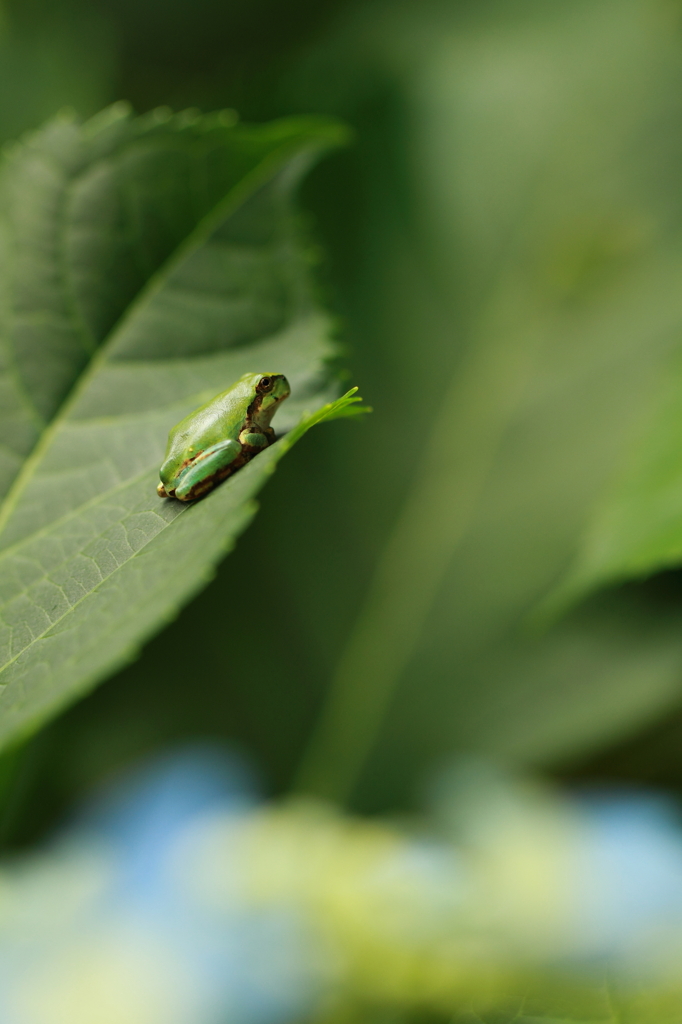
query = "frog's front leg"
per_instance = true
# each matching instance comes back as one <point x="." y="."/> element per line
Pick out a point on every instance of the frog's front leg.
<point x="254" y="441"/>
<point x="208" y="469"/>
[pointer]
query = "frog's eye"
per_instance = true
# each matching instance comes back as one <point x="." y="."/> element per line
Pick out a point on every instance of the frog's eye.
<point x="265" y="384"/>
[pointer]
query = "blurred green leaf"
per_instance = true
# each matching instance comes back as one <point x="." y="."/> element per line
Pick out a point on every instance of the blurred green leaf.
<point x="53" y="57"/>
<point x="637" y="528"/>
<point x="544" y="160"/>
<point x="572" y="999"/>
<point x="147" y="263"/>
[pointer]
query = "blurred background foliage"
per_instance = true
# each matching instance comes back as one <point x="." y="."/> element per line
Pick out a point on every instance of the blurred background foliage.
<point x="501" y="246"/>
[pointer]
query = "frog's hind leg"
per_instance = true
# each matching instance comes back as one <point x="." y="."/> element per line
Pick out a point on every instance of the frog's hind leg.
<point x="208" y="469"/>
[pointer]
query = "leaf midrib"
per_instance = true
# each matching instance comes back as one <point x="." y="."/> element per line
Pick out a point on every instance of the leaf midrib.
<point x="237" y="195"/>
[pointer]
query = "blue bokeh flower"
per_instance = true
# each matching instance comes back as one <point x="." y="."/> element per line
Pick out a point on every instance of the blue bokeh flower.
<point x="178" y="896"/>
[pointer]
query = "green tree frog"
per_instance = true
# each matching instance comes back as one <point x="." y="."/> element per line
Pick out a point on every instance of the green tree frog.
<point x="221" y="436"/>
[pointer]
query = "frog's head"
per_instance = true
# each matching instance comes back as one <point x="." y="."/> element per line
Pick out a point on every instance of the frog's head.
<point x="271" y="389"/>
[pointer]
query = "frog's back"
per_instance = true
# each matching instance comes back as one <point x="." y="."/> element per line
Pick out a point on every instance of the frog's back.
<point x="220" y="419"/>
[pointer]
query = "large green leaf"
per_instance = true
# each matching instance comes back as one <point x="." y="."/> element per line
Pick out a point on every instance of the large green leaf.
<point x="146" y="264"/>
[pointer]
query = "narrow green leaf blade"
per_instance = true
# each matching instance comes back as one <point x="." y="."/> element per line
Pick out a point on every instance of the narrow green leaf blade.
<point x="637" y="529"/>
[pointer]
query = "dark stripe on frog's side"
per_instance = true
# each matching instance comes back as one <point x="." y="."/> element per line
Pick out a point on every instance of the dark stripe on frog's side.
<point x="209" y="482"/>
<point x="247" y="453"/>
<point x="252" y="411"/>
